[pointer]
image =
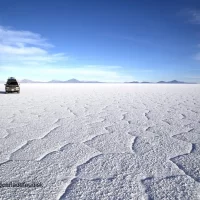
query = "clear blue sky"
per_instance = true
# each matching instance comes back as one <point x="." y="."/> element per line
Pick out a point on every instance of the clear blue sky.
<point x="121" y="40"/>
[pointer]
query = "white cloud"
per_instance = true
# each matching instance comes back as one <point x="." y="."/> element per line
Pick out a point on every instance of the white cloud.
<point x="81" y="73"/>
<point x="25" y="54"/>
<point x="191" y="15"/>
<point x="197" y="56"/>
<point x="24" y="47"/>
<point x="194" y="16"/>
<point x="18" y="38"/>
<point x="22" y="50"/>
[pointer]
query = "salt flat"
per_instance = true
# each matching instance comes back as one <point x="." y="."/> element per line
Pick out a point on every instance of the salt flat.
<point x="101" y="141"/>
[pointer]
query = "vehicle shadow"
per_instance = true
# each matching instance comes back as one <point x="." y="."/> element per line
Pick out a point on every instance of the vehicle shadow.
<point x="2" y="92"/>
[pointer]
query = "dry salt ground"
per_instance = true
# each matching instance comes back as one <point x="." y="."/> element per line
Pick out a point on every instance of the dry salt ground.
<point x="101" y="142"/>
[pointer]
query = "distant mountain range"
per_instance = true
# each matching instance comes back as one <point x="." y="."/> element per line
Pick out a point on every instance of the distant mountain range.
<point x="29" y="81"/>
<point x="72" y="81"/>
<point x="165" y="82"/>
<point x="138" y="82"/>
<point x="174" y="82"/>
<point x="77" y="81"/>
<point x="58" y="81"/>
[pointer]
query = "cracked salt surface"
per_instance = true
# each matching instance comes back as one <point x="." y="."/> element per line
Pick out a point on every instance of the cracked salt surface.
<point x="101" y="141"/>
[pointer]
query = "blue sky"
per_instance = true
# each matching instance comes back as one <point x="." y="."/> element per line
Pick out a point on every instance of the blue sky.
<point x="121" y="40"/>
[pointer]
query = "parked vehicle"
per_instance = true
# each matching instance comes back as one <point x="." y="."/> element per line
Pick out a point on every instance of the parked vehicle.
<point x="12" y="85"/>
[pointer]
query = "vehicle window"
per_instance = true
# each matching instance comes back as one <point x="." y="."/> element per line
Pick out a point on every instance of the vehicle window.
<point x="12" y="83"/>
